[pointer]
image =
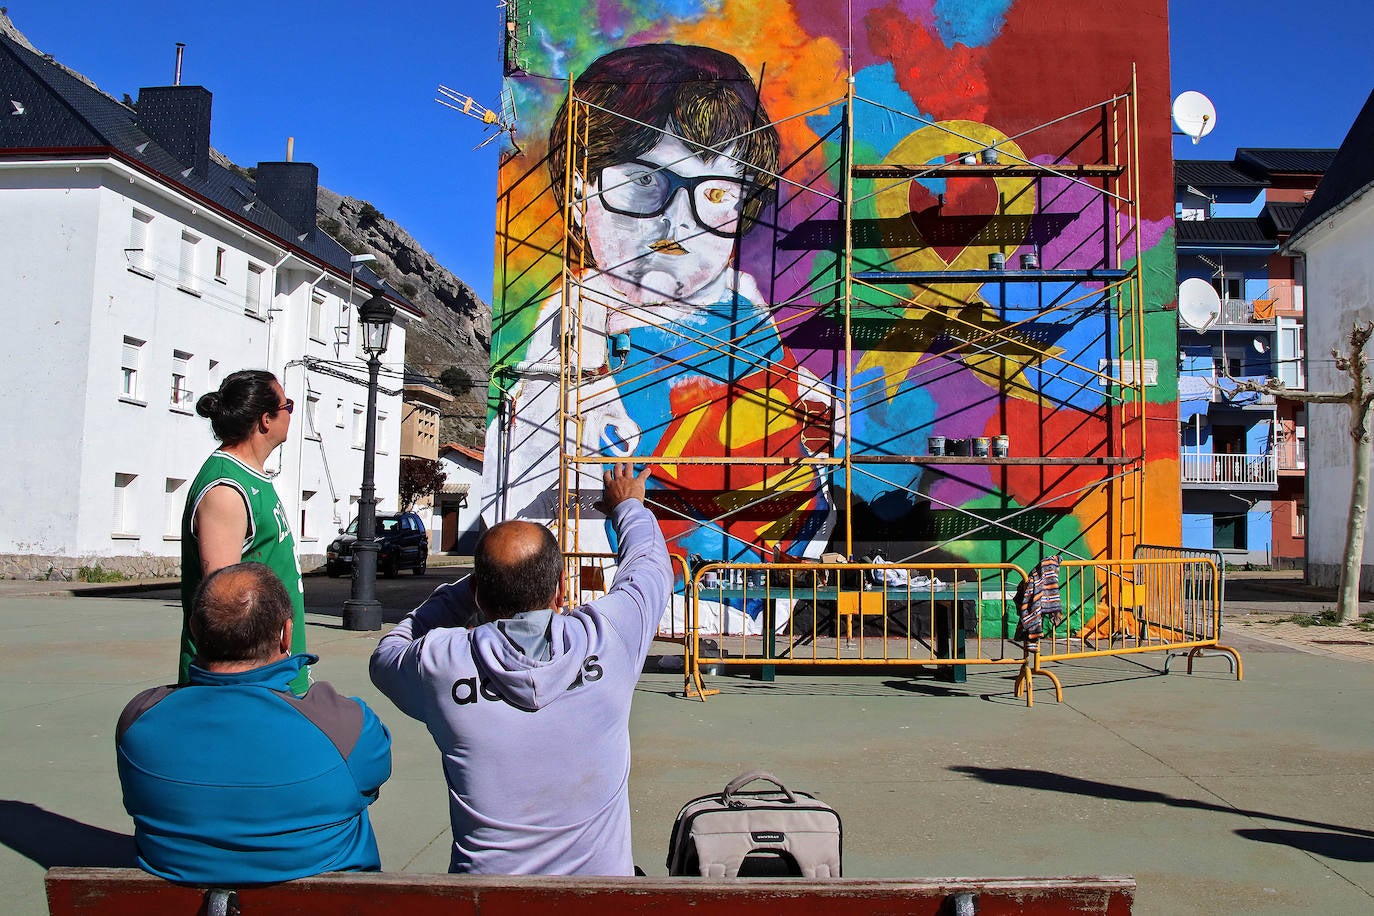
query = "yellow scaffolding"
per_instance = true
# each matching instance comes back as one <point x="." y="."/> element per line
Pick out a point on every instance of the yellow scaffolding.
<point x="911" y="296"/>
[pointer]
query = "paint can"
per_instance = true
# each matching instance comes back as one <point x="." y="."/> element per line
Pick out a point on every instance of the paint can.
<point x="997" y="261"/>
<point x="935" y="446"/>
<point x="1030" y="261"/>
<point x="968" y="158"/>
<point x="1001" y="446"/>
<point x="980" y="446"/>
<point x="957" y="447"/>
<point x="990" y="156"/>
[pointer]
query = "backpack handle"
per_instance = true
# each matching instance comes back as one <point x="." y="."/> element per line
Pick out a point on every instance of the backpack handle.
<point x="743" y="779"/>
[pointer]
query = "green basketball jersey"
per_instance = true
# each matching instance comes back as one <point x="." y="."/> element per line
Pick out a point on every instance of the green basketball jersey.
<point x="268" y="540"/>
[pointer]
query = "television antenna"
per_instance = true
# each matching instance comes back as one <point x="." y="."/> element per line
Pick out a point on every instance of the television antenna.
<point x="1198" y="304"/>
<point x="1195" y="115"/>
<point x="466" y="104"/>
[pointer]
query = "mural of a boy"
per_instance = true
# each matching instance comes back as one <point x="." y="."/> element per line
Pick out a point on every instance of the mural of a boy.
<point x="672" y="160"/>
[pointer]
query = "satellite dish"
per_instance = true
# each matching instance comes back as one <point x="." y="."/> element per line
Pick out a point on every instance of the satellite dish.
<point x="1195" y="114"/>
<point x="1260" y="345"/>
<point x="1198" y="304"/>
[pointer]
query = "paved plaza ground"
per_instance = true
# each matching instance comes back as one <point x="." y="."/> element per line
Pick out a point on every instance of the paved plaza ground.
<point x="1218" y="796"/>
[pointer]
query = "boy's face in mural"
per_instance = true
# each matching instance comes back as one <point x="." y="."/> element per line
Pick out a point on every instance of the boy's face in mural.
<point x="662" y="227"/>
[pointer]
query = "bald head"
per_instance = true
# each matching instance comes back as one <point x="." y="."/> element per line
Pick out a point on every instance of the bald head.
<point x="517" y="567"/>
<point x="238" y="615"/>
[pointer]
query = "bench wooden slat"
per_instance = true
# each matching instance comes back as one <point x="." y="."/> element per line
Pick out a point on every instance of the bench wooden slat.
<point x="125" y="892"/>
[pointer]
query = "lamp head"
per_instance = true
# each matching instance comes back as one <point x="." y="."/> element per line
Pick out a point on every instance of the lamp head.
<point x="375" y="316"/>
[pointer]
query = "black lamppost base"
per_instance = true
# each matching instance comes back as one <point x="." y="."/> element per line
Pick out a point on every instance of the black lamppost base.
<point x="361" y="614"/>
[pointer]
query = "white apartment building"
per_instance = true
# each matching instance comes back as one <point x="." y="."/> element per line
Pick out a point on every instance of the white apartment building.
<point x="1336" y="238"/>
<point x="137" y="273"/>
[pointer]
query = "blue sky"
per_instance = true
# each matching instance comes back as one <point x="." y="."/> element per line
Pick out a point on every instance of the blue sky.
<point x="354" y="83"/>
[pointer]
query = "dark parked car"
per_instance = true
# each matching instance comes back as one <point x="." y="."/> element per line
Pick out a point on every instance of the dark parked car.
<point x="402" y="540"/>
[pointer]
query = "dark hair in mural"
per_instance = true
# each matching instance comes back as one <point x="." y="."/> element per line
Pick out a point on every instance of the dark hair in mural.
<point x="703" y="96"/>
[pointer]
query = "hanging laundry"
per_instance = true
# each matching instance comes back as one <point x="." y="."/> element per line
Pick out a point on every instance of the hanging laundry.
<point x="1037" y="600"/>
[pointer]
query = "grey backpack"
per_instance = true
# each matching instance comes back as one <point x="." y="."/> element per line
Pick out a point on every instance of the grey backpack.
<point x="742" y="833"/>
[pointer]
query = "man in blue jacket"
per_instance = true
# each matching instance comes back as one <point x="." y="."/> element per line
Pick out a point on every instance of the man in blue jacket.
<point x="232" y="779"/>
<point x="531" y="709"/>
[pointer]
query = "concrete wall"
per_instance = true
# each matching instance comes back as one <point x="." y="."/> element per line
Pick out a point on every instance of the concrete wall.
<point x="1340" y="276"/>
<point x="45" y="351"/>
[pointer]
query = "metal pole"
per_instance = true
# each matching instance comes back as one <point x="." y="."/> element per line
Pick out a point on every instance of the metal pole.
<point x="362" y="610"/>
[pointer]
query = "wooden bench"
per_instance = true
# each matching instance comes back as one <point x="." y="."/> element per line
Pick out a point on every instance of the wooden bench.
<point x="129" y="892"/>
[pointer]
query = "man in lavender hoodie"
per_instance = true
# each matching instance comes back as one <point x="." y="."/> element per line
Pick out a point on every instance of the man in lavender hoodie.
<point x="531" y="708"/>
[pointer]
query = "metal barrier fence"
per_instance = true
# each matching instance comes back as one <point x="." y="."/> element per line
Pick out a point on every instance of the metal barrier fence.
<point x="852" y="614"/>
<point x="1197" y="581"/>
<point x="1164" y="600"/>
<point x="589" y="575"/>
<point x="950" y="616"/>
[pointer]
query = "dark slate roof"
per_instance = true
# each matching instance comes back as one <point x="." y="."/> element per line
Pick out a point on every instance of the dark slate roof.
<point x="67" y="117"/>
<point x="1222" y="233"/>
<point x="1287" y="161"/>
<point x="1280" y="218"/>
<point x="1350" y="175"/>
<point x="1204" y="173"/>
<point x="1251" y="167"/>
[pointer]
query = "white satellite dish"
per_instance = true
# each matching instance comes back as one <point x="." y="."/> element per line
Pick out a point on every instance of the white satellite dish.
<point x="1260" y="345"/>
<point x="1195" y="114"/>
<point x="1198" y="304"/>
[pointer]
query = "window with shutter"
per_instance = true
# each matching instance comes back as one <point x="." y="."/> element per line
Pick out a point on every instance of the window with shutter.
<point x="307" y="529"/>
<point x="312" y="416"/>
<point x="186" y="271"/>
<point x="125" y="520"/>
<point x="317" y="316"/>
<point x="137" y="252"/>
<point x="252" y="301"/>
<point x="130" y="358"/>
<point x="181" y="370"/>
<point x="175" y="504"/>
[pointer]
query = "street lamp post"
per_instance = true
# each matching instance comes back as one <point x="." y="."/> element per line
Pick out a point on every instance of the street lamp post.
<point x="362" y="610"/>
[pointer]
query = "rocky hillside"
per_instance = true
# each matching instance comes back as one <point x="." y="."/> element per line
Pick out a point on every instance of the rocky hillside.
<point x="456" y="331"/>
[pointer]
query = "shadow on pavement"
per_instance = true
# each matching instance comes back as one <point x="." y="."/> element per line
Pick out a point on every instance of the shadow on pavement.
<point x="1351" y="843"/>
<point x="1327" y="845"/>
<point x="51" y="839"/>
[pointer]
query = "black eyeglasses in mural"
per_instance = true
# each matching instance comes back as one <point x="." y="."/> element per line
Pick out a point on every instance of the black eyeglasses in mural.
<point x="643" y="189"/>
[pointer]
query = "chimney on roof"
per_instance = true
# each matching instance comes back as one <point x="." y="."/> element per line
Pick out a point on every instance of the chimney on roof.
<point x="178" y="118"/>
<point x="290" y="189"/>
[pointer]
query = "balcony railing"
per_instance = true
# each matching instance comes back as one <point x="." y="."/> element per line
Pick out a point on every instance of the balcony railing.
<point x="1230" y="470"/>
<point x="1246" y="311"/>
<point x="1292" y="454"/>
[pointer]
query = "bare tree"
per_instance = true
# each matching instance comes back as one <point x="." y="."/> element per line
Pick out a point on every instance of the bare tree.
<point x="420" y="479"/>
<point x="1359" y="399"/>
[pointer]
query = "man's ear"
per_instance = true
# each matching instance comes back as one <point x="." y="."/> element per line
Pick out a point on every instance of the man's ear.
<point x="560" y="597"/>
<point x="286" y="634"/>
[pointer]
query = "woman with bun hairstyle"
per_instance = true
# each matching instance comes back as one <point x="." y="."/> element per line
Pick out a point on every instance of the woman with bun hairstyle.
<point x="232" y="512"/>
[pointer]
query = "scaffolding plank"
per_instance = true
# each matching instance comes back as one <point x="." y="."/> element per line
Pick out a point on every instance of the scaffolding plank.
<point x="957" y="170"/>
<point x="990" y="276"/>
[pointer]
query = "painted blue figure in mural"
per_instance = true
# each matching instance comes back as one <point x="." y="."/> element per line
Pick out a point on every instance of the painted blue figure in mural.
<point x="678" y="353"/>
